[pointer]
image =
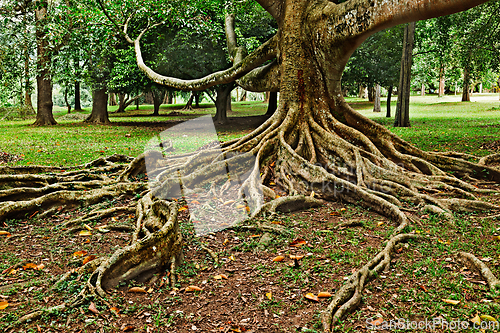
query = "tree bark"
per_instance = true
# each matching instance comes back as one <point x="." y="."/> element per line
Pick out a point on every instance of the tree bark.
<point x="273" y="103"/>
<point x="78" y="103"/>
<point x="158" y="96"/>
<point x="441" y="81"/>
<point x="68" y="106"/>
<point x="371" y="94"/>
<point x="422" y="90"/>
<point x="44" y="114"/>
<point x="404" y="90"/>
<point x="197" y="99"/>
<point x="376" y="105"/>
<point x="243" y="96"/>
<point x="189" y="103"/>
<point x="27" y="84"/>
<point x="389" y="96"/>
<point x="229" y="105"/>
<point x="362" y="92"/>
<point x="99" y="113"/>
<point x="466" y="87"/>
<point x="112" y="99"/>
<point x="221" y="103"/>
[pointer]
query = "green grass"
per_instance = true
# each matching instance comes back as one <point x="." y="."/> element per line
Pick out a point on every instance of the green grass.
<point x="445" y="124"/>
<point x="442" y="124"/>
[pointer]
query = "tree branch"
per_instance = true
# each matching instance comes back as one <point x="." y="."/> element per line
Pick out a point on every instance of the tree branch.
<point x="265" y="52"/>
<point x="273" y="7"/>
<point x="261" y="79"/>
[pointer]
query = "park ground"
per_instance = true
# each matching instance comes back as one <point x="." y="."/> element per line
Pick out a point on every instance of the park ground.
<point x="253" y="289"/>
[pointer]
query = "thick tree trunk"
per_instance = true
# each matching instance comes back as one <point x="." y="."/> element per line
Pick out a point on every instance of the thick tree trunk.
<point x="371" y="94"/>
<point x="149" y="99"/>
<point x="441" y="82"/>
<point x="221" y="103"/>
<point x="197" y="99"/>
<point x="44" y="114"/>
<point x="78" y="102"/>
<point x="404" y="90"/>
<point x="229" y="105"/>
<point x="466" y="87"/>
<point x="389" y="96"/>
<point x="376" y="105"/>
<point x="99" y="113"/>
<point x="273" y="103"/>
<point x="158" y="96"/>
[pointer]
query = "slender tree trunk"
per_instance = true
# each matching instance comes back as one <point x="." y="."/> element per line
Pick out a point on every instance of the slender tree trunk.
<point x="376" y="105"/>
<point x="121" y="103"/>
<point x="78" y="103"/>
<point x="243" y="96"/>
<point x="422" y="90"/>
<point x="170" y="95"/>
<point x="99" y="113"/>
<point x="44" y="114"/>
<point x="112" y="99"/>
<point x="66" y="100"/>
<point x="273" y="103"/>
<point x="389" y="96"/>
<point x="137" y="102"/>
<point x="466" y="87"/>
<point x="27" y="84"/>
<point x="197" y="99"/>
<point x="189" y="103"/>
<point x="229" y="106"/>
<point x="441" y="82"/>
<point x="362" y="92"/>
<point x="404" y="90"/>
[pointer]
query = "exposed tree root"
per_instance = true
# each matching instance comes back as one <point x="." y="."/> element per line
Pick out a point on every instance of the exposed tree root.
<point x="349" y="296"/>
<point x="486" y="273"/>
<point x="212" y="254"/>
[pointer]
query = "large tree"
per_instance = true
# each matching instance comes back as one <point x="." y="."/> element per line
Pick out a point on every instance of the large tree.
<point x="314" y="146"/>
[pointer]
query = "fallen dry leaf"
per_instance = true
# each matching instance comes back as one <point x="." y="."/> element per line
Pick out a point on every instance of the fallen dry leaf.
<point x="88" y="259"/>
<point x="312" y="297"/>
<point x="324" y="294"/>
<point x="450" y="301"/>
<point x="377" y="321"/>
<point x="193" y="288"/>
<point x="294" y="257"/>
<point x="228" y="202"/>
<point x="127" y="328"/>
<point x="30" y="266"/>
<point x="195" y="202"/>
<point x="298" y="242"/>
<point x="220" y="277"/>
<point x="115" y="310"/>
<point x="269" y="295"/>
<point x="182" y="208"/>
<point x="3" y="305"/>
<point x="85" y="233"/>
<point x="487" y="318"/>
<point x="80" y="254"/>
<point x="93" y="309"/>
<point x="5" y="233"/>
<point x="279" y="258"/>
<point x="476" y="320"/>
<point x="137" y="290"/>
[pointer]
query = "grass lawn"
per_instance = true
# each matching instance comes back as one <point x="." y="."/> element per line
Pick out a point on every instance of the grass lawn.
<point x="437" y="124"/>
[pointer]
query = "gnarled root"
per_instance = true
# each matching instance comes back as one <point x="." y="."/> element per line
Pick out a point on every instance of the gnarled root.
<point x="349" y="296"/>
<point x="486" y="273"/>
